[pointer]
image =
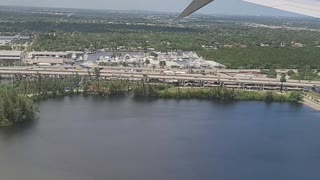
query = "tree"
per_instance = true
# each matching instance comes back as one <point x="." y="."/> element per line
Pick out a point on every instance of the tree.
<point x="97" y="73"/>
<point x="15" y="109"/>
<point x="291" y="72"/>
<point x="268" y="96"/>
<point x="272" y="73"/>
<point x="162" y="64"/>
<point x="282" y="80"/>
<point x="155" y="55"/>
<point x="295" y="97"/>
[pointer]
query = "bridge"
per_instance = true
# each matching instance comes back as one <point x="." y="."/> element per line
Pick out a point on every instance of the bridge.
<point x="182" y="79"/>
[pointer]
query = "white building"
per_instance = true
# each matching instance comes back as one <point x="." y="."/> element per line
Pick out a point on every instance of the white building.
<point x="39" y="54"/>
<point x="49" y="60"/>
<point x="11" y="57"/>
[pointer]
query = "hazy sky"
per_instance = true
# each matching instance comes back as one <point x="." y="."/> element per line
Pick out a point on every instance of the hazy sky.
<point x="232" y="7"/>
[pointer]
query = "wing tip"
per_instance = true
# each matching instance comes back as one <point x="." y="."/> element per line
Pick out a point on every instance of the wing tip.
<point x="193" y="7"/>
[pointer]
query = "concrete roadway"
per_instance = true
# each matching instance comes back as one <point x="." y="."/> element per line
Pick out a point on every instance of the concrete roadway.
<point x="156" y="75"/>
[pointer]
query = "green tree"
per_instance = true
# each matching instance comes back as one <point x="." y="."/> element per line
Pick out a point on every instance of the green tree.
<point x="295" y="97"/>
<point x="162" y="64"/>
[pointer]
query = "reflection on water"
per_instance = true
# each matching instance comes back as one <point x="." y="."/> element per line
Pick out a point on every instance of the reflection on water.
<point x="122" y="138"/>
<point x="17" y="131"/>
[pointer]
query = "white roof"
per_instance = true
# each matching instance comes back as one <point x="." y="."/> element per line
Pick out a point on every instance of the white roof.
<point x="171" y="63"/>
<point x="213" y="63"/>
<point x="35" y="53"/>
<point x="10" y="53"/>
<point x="49" y="60"/>
<point x="10" y="58"/>
<point x="75" y="52"/>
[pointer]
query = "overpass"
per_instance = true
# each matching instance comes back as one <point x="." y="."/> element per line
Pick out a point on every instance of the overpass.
<point x="183" y="79"/>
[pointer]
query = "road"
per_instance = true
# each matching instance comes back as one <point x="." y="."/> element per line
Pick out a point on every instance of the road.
<point x="124" y="73"/>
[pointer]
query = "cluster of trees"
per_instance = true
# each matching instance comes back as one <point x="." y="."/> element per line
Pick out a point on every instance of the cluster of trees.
<point x="225" y="94"/>
<point x="62" y="41"/>
<point x="41" y="87"/>
<point x="15" y="108"/>
<point x="205" y="93"/>
<point x="142" y="89"/>
<point x="305" y="73"/>
<point x="269" y="96"/>
<point x="271" y="73"/>
<point x="107" y="88"/>
<point x="265" y="57"/>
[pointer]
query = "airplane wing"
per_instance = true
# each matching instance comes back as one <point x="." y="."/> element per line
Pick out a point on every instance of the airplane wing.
<point x="194" y="6"/>
<point x="304" y="7"/>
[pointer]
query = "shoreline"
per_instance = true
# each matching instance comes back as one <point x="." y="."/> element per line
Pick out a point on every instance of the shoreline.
<point x="311" y="104"/>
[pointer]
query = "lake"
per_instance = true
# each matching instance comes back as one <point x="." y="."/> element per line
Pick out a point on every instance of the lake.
<point x="122" y="138"/>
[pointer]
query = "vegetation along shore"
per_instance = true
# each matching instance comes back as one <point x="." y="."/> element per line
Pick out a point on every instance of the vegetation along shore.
<point x="18" y="101"/>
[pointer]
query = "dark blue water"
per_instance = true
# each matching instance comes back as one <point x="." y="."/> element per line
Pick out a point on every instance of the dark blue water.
<point x="94" y="138"/>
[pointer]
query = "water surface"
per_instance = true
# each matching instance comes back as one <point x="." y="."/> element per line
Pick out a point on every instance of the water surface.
<point x="94" y="138"/>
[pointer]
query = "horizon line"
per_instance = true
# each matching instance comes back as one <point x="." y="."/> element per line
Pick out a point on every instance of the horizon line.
<point x="154" y="11"/>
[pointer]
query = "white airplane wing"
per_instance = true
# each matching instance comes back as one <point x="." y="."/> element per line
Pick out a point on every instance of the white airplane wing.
<point x="304" y="7"/>
<point x="194" y="6"/>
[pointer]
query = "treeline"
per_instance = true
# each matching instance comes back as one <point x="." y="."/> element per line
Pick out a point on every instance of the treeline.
<point x="43" y="27"/>
<point x="44" y="87"/>
<point x="219" y="93"/>
<point x="79" y="41"/>
<point x="305" y="73"/>
<point x="17" y="105"/>
<point x="265" y="57"/>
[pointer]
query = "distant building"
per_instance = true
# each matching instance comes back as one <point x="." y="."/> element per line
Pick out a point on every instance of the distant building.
<point x="297" y="45"/>
<point x="11" y="57"/>
<point x="151" y="49"/>
<point x="264" y="45"/>
<point x="39" y="54"/>
<point x="48" y="60"/>
<point x="7" y="40"/>
<point x="228" y="46"/>
<point x="4" y="40"/>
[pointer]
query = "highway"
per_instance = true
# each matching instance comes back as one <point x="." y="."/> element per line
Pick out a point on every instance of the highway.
<point x="124" y="73"/>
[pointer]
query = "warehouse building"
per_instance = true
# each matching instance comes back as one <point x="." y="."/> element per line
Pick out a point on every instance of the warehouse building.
<point x="47" y="61"/>
<point x="8" y="58"/>
<point x="39" y="54"/>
